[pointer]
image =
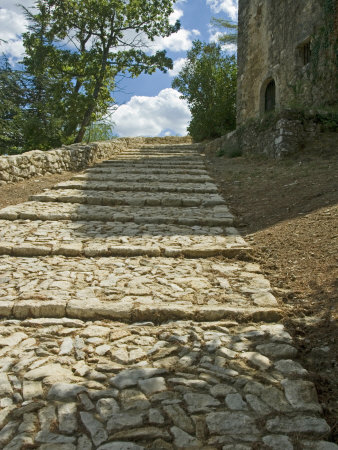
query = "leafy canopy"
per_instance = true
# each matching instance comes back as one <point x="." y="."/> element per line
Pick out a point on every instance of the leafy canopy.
<point x="12" y="100"/>
<point x="208" y="82"/>
<point x="75" y="50"/>
<point x="229" y="35"/>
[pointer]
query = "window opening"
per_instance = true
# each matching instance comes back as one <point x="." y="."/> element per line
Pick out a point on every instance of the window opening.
<point x="306" y="53"/>
<point x="270" y="96"/>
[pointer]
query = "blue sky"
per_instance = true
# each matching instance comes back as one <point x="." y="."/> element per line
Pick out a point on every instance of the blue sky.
<point x="147" y="105"/>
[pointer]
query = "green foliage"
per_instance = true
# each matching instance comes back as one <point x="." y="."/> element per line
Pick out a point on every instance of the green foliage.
<point x="230" y="151"/>
<point x="75" y="50"/>
<point x="208" y="82"/>
<point x="99" y="131"/>
<point x="324" y="45"/>
<point x="230" y="35"/>
<point x="328" y="119"/>
<point x="12" y="99"/>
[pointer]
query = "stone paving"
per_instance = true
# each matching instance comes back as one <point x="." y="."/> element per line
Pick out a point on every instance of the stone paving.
<point x="132" y="318"/>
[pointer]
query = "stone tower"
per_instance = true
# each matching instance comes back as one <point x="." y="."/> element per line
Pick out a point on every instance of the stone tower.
<point x="280" y="43"/>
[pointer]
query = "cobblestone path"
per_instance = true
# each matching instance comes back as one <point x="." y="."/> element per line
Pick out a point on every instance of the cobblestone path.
<point x="131" y="319"/>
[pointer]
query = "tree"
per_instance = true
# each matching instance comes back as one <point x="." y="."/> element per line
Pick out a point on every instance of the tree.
<point x="99" y="131"/>
<point x="230" y="35"/>
<point x="12" y="100"/>
<point x="208" y="82"/>
<point x="76" y="49"/>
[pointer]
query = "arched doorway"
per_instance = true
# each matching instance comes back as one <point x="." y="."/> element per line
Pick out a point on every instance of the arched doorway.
<point x="270" y="96"/>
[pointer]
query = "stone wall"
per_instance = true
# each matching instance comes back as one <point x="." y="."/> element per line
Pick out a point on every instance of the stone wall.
<point x="74" y="157"/>
<point x="272" y="39"/>
<point x="281" y="139"/>
<point x="222" y="143"/>
<point x="276" y="137"/>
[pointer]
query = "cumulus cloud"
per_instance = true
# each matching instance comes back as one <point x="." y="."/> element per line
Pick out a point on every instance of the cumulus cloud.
<point x="164" y="114"/>
<point x="176" y="42"/>
<point x="14" y="49"/>
<point x="12" y="24"/>
<point x="176" y="15"/>
<point x="178" y="65"/>
<point x="230" y="48"/>
<point x="230" y="7"/>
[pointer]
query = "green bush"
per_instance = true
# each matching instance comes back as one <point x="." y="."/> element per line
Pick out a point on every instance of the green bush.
<point x="230" y="151"/>
<point x="208" y="82"/>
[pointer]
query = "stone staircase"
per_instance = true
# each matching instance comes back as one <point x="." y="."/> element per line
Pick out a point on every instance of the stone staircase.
<point x="133" y="318"/>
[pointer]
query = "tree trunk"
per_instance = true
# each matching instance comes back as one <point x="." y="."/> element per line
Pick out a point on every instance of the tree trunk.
<point x="85" y="121"/>
<point x="87" y="116"/>
<point x="72" y="120"/>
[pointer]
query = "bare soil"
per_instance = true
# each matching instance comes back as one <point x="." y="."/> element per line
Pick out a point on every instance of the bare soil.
<point x="11" y="194"/>
<point x="288" y="211"/>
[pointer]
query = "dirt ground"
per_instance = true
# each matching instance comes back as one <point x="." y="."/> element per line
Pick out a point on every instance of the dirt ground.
<point x="288" y="211"/>
<point x="11" y="194"/>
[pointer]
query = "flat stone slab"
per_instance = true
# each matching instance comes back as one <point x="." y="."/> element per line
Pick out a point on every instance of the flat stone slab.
<point x="198" y="164"/>
<point x="165" y="178"/>
<point x="157" y="386"/>
<point x="127" y="186"/>
<point x="134" y="288"/>
<point x="38" y="238"/>
<point x="94" y="197"/>
<point x="157" y="157"/>
<point x="211" y="216"/>
<point x="161" y="152"/>
<point x="147" y="170"/>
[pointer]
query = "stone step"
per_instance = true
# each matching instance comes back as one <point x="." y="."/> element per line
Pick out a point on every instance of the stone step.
<point x="158" y="158"/>
<point x="145" y="178"/>
<point x="171" y="146"/>
<point x="93" y="197"/>
<point x="94" y="239"/>
<point x="145" y="171"/>
<point x="155" y="153"/>
<point x="135" y="289"/>
<point x="151" y="164"/>
<point x="178" y="385"/>
<point x="138" y="187"/>
<point x="216" y="216"/>
<point x="107" y="346"/>
<point x="152" y="152"/>
<point x="166" y="150"/>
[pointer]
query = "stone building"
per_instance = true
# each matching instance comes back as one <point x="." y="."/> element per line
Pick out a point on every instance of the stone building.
<point x="283" y="59"/>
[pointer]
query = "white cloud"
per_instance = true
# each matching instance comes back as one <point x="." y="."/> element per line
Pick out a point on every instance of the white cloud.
<point x="176" y="42"/>
<point x="214" y="35"/>
<point x="230" y="48"/>
<point x="12" y="24"/>
<point x="153" y="116"/>
<point x="230" y="7"/>
<point x="14" y="49"/>
<point x="176" y="15"/>
<point x="178" y="65"/>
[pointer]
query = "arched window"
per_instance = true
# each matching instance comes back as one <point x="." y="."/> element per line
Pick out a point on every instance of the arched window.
<point x="270" y="96"/>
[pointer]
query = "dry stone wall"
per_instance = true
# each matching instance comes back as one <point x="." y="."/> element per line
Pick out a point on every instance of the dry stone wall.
<point x="74" y="157"/>
<point x="275" y="137"/>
